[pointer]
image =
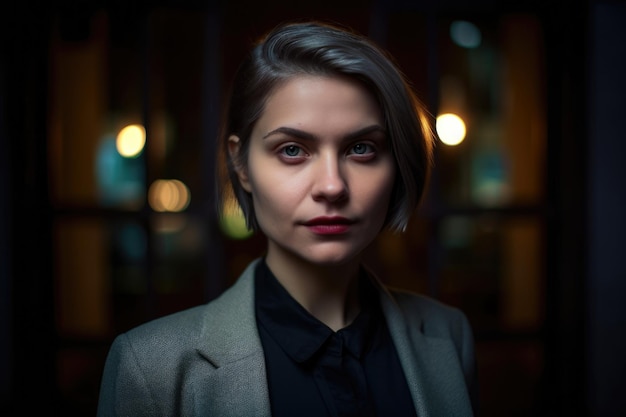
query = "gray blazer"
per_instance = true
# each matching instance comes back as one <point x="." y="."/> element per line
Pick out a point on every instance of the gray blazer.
<point x="208" y="360"/>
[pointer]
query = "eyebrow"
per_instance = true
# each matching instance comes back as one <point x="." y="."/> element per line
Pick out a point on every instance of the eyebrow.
<point x="301" y="134"/>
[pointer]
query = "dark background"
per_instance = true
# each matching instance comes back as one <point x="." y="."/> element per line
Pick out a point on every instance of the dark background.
<point x="583" y="320"/>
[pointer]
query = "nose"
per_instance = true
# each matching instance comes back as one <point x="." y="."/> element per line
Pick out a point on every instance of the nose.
<point x="329" y="182"/>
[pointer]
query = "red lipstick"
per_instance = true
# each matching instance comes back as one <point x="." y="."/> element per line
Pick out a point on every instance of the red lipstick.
<point x="329" y="225"/>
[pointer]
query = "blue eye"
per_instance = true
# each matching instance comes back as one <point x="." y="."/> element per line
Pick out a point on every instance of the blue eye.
<point x="361" y="149"/>
<point x="291" y="150"/>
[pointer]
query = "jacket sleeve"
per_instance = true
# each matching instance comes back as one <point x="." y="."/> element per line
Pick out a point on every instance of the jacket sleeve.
<point x="124" y="390"/>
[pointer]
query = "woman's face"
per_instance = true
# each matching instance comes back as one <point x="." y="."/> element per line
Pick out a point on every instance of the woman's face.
<point x="320" y="170"/>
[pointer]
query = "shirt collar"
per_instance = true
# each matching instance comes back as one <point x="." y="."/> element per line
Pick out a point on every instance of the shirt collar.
<point x="301" y="335"/>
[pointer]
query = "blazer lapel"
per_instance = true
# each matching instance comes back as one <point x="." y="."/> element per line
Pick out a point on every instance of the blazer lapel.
<point x="230" y="342"/>
<point x="431" y="366"/>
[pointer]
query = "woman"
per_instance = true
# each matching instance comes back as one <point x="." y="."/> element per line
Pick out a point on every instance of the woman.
<point x="325" y="145"/>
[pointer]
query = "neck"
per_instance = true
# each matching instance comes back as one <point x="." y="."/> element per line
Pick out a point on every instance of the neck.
<point x="329" y="293"/>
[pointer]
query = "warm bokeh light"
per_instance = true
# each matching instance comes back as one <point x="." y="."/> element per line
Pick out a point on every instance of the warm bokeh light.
<point x="168" y="195"/>
<point x="465" y="34"/>
<point x="232" y="220"/>
<point x="450" y="129"/>
<point x="131" y="140"/>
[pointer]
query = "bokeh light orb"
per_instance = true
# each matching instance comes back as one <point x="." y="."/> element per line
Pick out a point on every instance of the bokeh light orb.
<point x="450" y="129"/>
<point x="131" y="141"/>
<point x="168" y="196"/>
<point x="465" y="34"/>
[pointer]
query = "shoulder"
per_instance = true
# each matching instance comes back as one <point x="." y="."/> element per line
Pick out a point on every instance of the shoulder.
<point x="168" y="332"/>
<point x="148" y="366"/>
<point x="190" y="325"/>
<point x="153" y="352"/>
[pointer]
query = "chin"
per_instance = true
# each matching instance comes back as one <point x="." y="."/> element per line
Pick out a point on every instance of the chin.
<point x="332" y="258"/>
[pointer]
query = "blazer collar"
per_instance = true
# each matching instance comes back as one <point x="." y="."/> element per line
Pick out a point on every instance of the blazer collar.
<point x="230" y="342"/>
<point x="233" y="314"/>
<point x="430" y="364"/>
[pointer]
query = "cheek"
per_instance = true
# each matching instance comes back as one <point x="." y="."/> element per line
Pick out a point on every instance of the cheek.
<point x="376" y="189"/>
<point x="275" y="196"/>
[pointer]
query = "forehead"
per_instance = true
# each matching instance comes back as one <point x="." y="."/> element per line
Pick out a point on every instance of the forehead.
<point x="320" y="102"/>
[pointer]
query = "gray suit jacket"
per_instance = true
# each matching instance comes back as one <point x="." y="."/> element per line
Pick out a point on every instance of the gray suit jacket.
<point x="208" y="360"/>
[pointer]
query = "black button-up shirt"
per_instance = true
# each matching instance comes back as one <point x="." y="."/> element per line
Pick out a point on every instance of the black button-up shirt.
<point x="314" y="371"/>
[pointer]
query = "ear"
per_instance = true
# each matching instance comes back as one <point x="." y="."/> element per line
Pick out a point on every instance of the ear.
<point x="234" y="146"/>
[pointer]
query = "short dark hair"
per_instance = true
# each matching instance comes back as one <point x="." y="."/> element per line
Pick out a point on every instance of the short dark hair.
<point x="315" y="48"/>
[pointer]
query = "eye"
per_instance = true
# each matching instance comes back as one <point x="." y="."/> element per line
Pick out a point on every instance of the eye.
<point x="361" y="149"/>
<point x="292" y="154"/>
<point x="291" y="151"/>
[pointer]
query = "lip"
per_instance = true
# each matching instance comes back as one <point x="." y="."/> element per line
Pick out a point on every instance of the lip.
<point x="329" y="225"/>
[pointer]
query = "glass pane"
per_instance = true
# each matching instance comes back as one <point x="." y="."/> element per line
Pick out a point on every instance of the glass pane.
<point x="82" y="278"/>
<point x="407" y="41"/>
<point x="402" y="260"/>
<point x="129" y="275"/>
<point x="178" y="135"/>
<point x="95" y="91"/>
<point x="492" y="268"/>
<point x="79" y="372"/>
<point x="492" y="77"/>
<point x="179" y="268"/>
<point x="510" y="375"/>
